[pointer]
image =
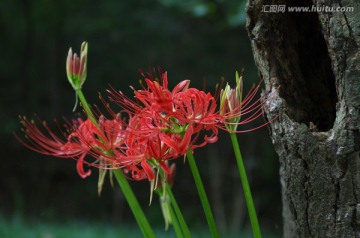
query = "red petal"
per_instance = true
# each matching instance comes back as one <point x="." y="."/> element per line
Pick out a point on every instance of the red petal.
<point x="165" y="167"/>
<point x="148" y="170"/>
<point x="181" y="86"/>
<point x="80" y="168"/>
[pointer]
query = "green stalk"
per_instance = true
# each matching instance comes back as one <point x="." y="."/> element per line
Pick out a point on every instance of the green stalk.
<point x="123" y="183"/>
<point x="178" y="213"/>
<point x="175" y="223"/>
<point x="245" y="184"/>
<point x="86" y="107"/>
<point x="134" y="205"/>
<point x="202" y="195"/>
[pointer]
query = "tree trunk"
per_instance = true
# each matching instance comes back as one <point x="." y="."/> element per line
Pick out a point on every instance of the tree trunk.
<point x="310" y="62"/>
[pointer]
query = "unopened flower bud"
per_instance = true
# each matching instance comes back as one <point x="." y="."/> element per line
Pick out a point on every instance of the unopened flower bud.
<point x="76" y="67"/>
<point x="230" y="101"/>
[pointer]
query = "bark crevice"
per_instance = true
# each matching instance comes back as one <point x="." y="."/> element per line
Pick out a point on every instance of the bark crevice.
<point x="346" y="20"/>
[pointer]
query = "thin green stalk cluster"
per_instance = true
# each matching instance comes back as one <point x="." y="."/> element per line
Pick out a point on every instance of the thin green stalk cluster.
<point x="178" y="218"/>
<point x="134" y="205"/>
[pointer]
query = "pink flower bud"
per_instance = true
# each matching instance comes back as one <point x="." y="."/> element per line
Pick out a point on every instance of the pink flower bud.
<point x="76" y="69"/>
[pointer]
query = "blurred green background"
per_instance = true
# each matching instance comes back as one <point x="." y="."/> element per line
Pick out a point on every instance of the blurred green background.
<point x="200" y="40"/>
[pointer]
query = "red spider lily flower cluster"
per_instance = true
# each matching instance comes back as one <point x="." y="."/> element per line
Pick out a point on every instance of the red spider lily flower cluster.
<point x="161" y="125"/>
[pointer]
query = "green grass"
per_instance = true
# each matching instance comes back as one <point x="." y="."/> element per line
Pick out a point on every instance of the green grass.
<point x="18" y="227"/>
<point x="28" y="228"/>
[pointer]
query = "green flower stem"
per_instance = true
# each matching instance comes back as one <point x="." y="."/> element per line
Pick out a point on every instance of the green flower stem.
<point x="245" y="184"/>
<point x="86" y="107"/>
<point x="134" y="205"/>
<point x="178" y="213"/>
<point x="202" y="195"/>
<point x="123" y="183"/>
<point x="175" y="223"/>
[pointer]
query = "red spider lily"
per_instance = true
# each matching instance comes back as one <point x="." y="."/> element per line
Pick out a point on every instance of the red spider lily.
<point x="195" y="106"/>
<point x="144" y="142"/>
<point x="158" y="97"/>
<point x="50" y="144"/>
<point x="173" y="111"/>
<point x="84" y="138"/>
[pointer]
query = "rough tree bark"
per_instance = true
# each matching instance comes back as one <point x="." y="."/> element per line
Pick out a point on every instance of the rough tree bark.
<point x="311" y="66"/>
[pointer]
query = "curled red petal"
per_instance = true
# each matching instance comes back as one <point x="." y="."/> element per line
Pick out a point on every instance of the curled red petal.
<point x="211" y="139"/>
<point x="80" y="167"/>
